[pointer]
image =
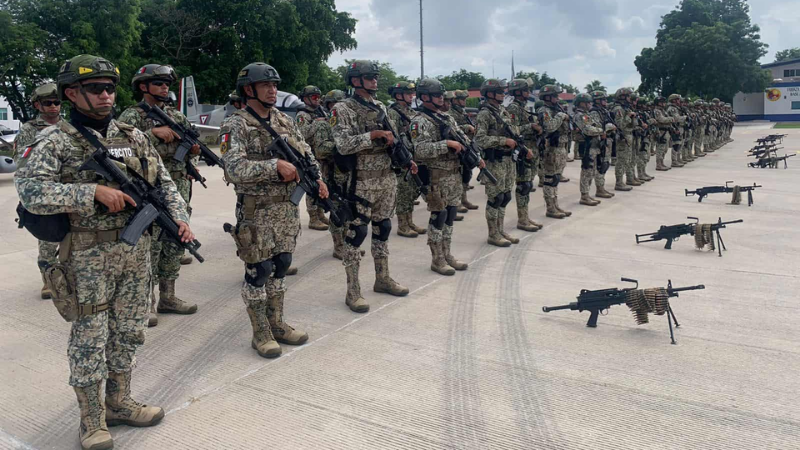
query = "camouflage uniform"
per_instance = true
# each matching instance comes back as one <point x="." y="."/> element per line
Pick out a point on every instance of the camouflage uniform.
<point x="624" y="165"/>
<point x="676" y="137"/>
<point x="664" y="123"/>
<point x="306" y="118"/>
<point x="464" y="123"/>
<point x="401" y="116"/>
<point x="556" y="129"/>
<point x="700" y="122"/>
<point x="604" y="157"/>
<point x="588" y="133"/>
<point x="642" y="144"/>
<point x="524" y="122"/>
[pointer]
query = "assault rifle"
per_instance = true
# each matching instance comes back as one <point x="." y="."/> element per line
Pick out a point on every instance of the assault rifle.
<point x="470" y="157"/>
<point x="672" y="233"/>
<point x="771" y="138"/>
<point x="704" y="191"/>
<point x="151" y="207"/>
<point x="188" y="138"/>
<point x="771" y="162"/>
<point x="764" y="151"/>
<point x="400" y="154"/>
<point x="640" y="301"/>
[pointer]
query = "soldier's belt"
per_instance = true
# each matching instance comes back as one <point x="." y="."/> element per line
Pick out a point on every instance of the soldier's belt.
<point x="99" y="236"/>
<point x="178" y="175"/>
<point x="438" y="174"/>
<point x="252" y="203"/>
<point x="363" y="175"/>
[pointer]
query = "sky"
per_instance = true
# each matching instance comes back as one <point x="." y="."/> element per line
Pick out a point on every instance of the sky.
<point x="576" y="41"/>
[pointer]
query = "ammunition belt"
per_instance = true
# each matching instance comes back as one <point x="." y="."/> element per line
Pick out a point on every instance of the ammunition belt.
<point x="363" y="175"/>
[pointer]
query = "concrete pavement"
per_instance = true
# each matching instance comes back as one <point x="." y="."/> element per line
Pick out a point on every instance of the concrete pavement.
<point x="469" y="361"/>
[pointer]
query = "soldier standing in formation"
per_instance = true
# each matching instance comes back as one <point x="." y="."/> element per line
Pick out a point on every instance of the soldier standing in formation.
<point x="641" y="136"/>
<point x="590" y="133"/>
<point x="556" y="137"/>
<point x="268" y="223"/>
<point x="466" y="124"/>
<point x="598" y="115"/>
<point x="528" y="127"/>
<point x="151" y="83"/>
<point x="676" y="134"/>
<point x="312" y="97"/>
<point x="365" y="145"/>
<point x="626" y="121"/>
<point x="45" y="100"/>
<point x="664" y="123"/>
<point x="111" y="279"/>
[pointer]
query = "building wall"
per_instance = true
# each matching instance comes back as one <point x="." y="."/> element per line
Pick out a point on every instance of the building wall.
<point x="9" y="122"/>
<point x="780" y="103"/>
<point x="788" y="73"/>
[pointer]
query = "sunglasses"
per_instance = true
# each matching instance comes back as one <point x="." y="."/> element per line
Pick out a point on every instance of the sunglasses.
<point x="436" y="95"/>
<point x="160" y="83"/>
<point x="99" y="88"/>
<point x="315" y="97"/>
<point x="51" y="102"/>
<point x="371" y="77"/>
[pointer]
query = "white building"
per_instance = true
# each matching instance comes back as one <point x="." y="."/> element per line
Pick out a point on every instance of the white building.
<point x="7" y="116"/>
<point x="780" y="102"/>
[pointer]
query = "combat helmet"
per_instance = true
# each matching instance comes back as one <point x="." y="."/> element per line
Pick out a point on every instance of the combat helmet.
<point x="47" y="90"/>
<point x="583" y="98"/>
<point x="673" y="97"/>
<point x="402" y="87"/>
<point x="255" y="73"/>
<point x="623" y="91"/>
<point x="518" y="84"/>
<point x="659" y="99"/>
<point x="233" y="97"/>
<point x="599" y="95"/>
<point x="429" y="86"/>
<point x="462" y="94"/>
<point x="308" y="91"/>
<point x="549" y="90"/>
<point x="493" y="85"/>
<point x="85" y="67"/>
<point x="360" y="68"/>
<point x="538" y="104"/>
<point x="153" y="72"/>
<point x="334" y="96"/>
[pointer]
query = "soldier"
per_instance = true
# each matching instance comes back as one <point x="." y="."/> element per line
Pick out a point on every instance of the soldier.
<point x="641" y="139"/>
<point x="664" y="123"/>
<point x="268" y="223"/>
<point x="109" y="279"/>
<point x="700" y="122"/>
<point x="449" y="96"/>
<point x="676" y="134"/>
<point x="590" y="133"/>
<point x="567" y="158"/>
<point x="365" y="145"/>
<point x="440" y="155"/>
<point x="527" y="124"/>
<point x="466" y="124"/>
<point x="151" y="83"/>
<point x="312" y="97"/>
<point x="401" y="114"/>
<point x="45" y="101"/>
<point x="598" y="114"/>
<point x="687" y="153"/>
<point x="556" y="137"/>
<point x="540" y="170"/>
<point x="626" y="121"/>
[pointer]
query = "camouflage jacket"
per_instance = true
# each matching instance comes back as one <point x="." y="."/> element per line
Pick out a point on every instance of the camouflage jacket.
<point x="675" y="113"/>
<point x="462" y="118"/>
<point x="430" y="146"/>
<point x="624" y="121"/>
<point x="401" y="117"/>
<point x="50" y="182"/>
<point x="523" y="121"/>
<point x="352" y="122"/>
<point x="553" y="119"/>
<point x="250" y="164"/>
<point x="662" y="119"/>
<point x="306" y="117"/>
<point x="27" y="135"/>
<point x="136" y="116"/>
<point x="489" y="132"/>
<point x="589" y="126"/>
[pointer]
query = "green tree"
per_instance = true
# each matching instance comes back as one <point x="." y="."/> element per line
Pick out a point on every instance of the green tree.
<point x="570" y="89"/>
<point x="707" y="48"/>
<point x="595" y="85"/>
<point x="539" y="80"/>
<point x="462" y="79"/>
<point x="387" y="77"/>
<point x="789" y="53"/>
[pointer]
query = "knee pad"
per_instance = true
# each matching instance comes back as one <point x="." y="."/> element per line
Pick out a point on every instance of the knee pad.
<point x="451" y="215"/>
<point x="524" y="188"/>
<point x="506" y="199"/>
<point x="359" y="236"/>
<point x="282" y="262"/>
<point x="586" y="163"/>
<point x="258" y="273"/>
<point x="438" y="219"/>
<point x="497" y="201"/>
<point x="384" y="228"/>
<point x="552" y="180"/>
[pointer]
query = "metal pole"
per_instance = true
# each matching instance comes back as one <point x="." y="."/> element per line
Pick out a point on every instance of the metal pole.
<point x="421" y="52"/>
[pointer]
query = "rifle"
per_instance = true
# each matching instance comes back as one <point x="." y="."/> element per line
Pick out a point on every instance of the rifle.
<point x="771" y="138"/>
<point x="704" y="191"/>
<point x="640" y="301"/>
<point x="400" y="154"/>
<point x="151" y="206"/>
<point x="189" y="138"/>
<point x="470" y="157"/>
<point x="764" y="151"/>
<point x="701" y="232"/>
<point x="771" y="162"/>
<point x="307" y="171"/>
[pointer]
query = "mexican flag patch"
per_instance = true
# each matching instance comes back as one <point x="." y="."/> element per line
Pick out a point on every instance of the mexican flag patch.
<point x="27" y="152"/>
<point x="414" y="130"/>
<point x="224" y="143"/>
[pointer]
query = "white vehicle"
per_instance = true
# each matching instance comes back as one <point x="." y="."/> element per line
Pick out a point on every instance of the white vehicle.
<point x="7" y="137"/>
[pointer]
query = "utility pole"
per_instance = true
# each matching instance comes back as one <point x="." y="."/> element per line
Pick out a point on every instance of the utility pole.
<point x="513" y="73"/>
<point x="421" y="51"/>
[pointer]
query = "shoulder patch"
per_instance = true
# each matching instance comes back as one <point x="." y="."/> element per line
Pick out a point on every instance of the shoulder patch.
<point x="300" y="119"/>
<point x="27" y="152"/>
<point x="224" y="143"/>
<point x="414" y="130"/>
<point x="333" y="118"/>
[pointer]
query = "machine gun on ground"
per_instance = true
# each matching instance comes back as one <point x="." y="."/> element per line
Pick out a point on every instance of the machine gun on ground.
<point x="703" y="234"/>
<point x="771" y="138"/>
<point x="771" y="162"/>
<point x="737" y="192"/>
<point x="764" y="152"/>
<point x="640" y="301"/>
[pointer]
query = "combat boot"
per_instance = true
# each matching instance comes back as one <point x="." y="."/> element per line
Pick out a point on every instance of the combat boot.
<point x="619" y="186"/>
<point x="632" y="181"/>
<point x="93" y="430"/>
<point x="552" y="211"/>
<point x="282" y="331"/>
<point x="186" y="260"/>
<point x="558" y="207"/>
<point x="418" y="230"/>
<point x="383" y="282"/>
<point x="438" y="263"/>
<point x="322" y="218"/>
<point x="403" y="228"/>
<point x="354" y="300"/>
<point x="458" y="218"/>
<point x="152" y="316"/>
<point x="263" y="342"/>
<point x="168" y="303"/>
<point x="601" y="192"/>
<point x="462" y="209"/>
<point x="523" y="222"/>
<point x="291" y="271"/>
<point x="466" y="203"/>
<point x="451" y="260"/>
<point x="338" y="244"/>
<point x="45" y="293"/>
<point x="121" y="409"/>
<point x="660" y="165"/>
<point x="586" y="200"/>
<point x="501" y="222"/>
<point x="314" y="223"/>
<point x="495" y="238"/>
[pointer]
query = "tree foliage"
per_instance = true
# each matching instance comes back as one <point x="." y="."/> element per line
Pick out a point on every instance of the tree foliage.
<point x="595" y="85"/>
<point x="387" y="77"/>
<point x="462" y="79"/>
<point x="707" y="48"/>
<point x="789" y="53"/>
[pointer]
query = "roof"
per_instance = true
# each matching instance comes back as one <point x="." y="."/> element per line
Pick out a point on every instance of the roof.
<point x="781" y="63"/>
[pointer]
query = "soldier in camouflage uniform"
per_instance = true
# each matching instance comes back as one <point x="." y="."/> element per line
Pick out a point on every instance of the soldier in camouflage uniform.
<point x="449" y="96"/>
<point x="700" y="121"/>
<point x="567" y="158"/>
<point x="268" y="223"/>
<point x="440" y="155"/>
<point x="529" y="128"/>
<point x="589" y="134"/>
<point x="401" y="114"/>
<point x="664" y="123"/>
<point x="688" y="135"/>
<point x="364" y="146"/>
<point x="641" y="139"/>
<point x="110" y="279"/>
<point x="556" y="137"/>
<point x="152" y="83"/>
<point x="312" y="97"/>
<point x="598" y="115"/>
<point x="45" y="101"/>
<point x="676" y="134"/>
<point x="464" y="122"/>
<point x="626" y="121"/>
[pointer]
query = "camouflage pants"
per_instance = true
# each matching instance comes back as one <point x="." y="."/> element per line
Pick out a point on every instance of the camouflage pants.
<point x="48" y="254"/>
<point x="699" y="137"/>
<point x="382" y="206"/>
<point x="588" y="170"/>
<point x="442" y="194"/>
<point x="562" y="154"/>
<point x="599" y="177"/>
<point x="115" y="273"/>
<point x="711" y="138"/>
<point x="524" y="200"/>
<point x="624" y="159"/>
<point x="407" y="192"/>
<point x="550" y="169"/>
<point x="641" y="154"/>
<point x="165" y="257"/>
<point x="338" y="181"/>
<point x="662" y="146"/>
<point x="506" y="174"/>
<point x="311" y="207"/>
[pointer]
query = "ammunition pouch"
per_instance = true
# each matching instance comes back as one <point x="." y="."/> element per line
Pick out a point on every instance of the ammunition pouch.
<point x="345" y="163"/>
<point x="553" y="138"/>
<point x="586" y="161"/>
<point x="250" y="247"/>
<point x="602" y="165"/>
<point x="50" y="228"/>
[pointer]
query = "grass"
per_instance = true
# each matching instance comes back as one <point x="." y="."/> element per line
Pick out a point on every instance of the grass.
<point x="785" y="125"/>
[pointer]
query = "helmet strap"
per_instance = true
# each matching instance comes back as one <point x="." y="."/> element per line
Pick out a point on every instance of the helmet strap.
<point x="92" y="109"/>
<point x="159" y="98"/>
